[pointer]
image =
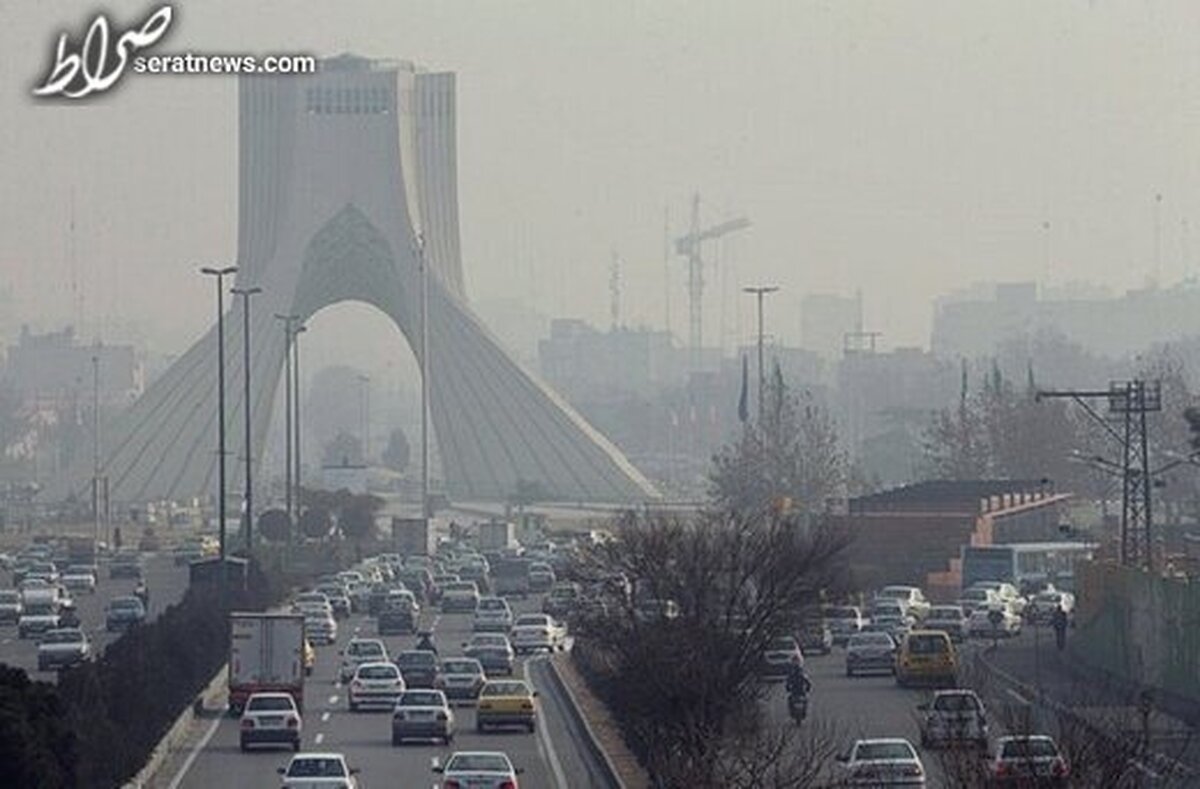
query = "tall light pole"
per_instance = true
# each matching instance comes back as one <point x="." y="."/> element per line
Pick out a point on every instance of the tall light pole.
<point x="300" y="329"/>
<point x="96" y="444"/>
<point x="246" y="293"/>
<point x="220" y="274"/>
<point x="365" y="380"/>
<point x="426" y="371"/>
<point x="761" y="291"/>
<point x="288" y="320"/>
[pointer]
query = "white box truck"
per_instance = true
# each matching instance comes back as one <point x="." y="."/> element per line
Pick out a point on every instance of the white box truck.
<point x="266" y="653"/>
<point x="496" y="536"/>
<point x="413" y="536"/>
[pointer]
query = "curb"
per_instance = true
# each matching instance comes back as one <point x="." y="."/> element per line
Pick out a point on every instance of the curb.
<point x="611" y="776"/>
<point x="178" y="731"/>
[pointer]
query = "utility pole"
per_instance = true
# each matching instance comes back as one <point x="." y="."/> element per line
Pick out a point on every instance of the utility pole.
<point x="96" y="444"/>
<point x="287" y="320"/>
<point x="365" y="380"/>
<point x="426" y="372"/>
<point x="296" y="410"/>
<point x="760" y="291"/>
<point x="246" y="293"/>
<point x="220" y="274"/>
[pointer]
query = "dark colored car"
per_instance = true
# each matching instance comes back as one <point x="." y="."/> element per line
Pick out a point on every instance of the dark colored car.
<point x="125" y="565"/>
<point x="418" y="581"/>
<point x="816" y="638"/>
<point x="396" y="621"/>
<point x="419" y="669"/>
<point x="378" y="597"/>
<point x="124" y="612"/>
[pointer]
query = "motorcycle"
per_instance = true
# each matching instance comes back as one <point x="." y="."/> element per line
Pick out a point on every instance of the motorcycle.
<point x="798" y="707"/>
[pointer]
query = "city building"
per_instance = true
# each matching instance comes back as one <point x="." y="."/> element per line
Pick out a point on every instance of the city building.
<point x="55" y="369"/>
<point x="825" y="321"/>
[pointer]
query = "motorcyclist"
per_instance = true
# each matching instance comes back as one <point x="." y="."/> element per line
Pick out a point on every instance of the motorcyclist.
<point x="1060" y="627"/>
<point x="425" y="643"/>
<point x="142" y="593"/>
<point x="798" y="683"/>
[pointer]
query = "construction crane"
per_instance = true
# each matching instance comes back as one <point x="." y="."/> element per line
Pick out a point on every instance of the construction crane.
<point x="689" y="246"/>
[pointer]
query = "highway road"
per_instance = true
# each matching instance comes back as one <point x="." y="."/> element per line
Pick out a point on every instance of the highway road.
<point x="166" y="583"/>
<point x="551" y="757"/>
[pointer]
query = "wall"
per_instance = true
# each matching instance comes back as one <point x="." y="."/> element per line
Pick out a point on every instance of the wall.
<point x="1141" y="628"/>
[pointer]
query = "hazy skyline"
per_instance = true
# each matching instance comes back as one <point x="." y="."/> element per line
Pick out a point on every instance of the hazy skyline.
<point x="907" y="148"/>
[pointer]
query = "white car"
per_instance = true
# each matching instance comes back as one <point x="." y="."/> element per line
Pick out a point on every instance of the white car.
<point x="1007" y="593"/>
<point x="80" y="578"/>
<point x="321" y="628"/>
<point x="63" y="647"/>
<point x="1042" y="607"/>
<point x="359" y="651"/>
<point x="949" y="618"/>
<point x="270" y="719"/>
<point x="532" y="632"/>
<point x="910" y="597"/>
<point x="953" y="716"/>
<point x="977" y="597"/>
<point x="462" y="678"/>
<point x="10" y="606"/>
<point x="996" y="621"/>
<point x="319" y="770"/>
<point x="492" y="615"/>
<point x="460" y="596"/>
<point x="478" y="770"/>
<point x="311" y="603"/>
<point x="374" y="685"/>
<point x="883" y="762"/>
<point x="844" y="621"/>
<point x="422" y="715"/>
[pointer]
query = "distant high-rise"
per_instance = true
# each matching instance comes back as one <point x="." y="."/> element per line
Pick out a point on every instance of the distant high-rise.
<point x="343" y="176"/>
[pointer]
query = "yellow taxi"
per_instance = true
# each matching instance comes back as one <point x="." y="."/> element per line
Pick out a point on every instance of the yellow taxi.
<point x="506" y="702"/>
<point x="927" y="657"/>
<point x="310" y="657"/>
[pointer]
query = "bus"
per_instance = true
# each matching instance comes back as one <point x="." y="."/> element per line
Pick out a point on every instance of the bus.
<point x="1029" y="566"/>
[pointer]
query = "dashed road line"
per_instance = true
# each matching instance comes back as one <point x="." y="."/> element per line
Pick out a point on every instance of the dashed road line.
<point x="320" y="738"/>
<point x="199" y="746"/>
<point x="324" y="717"/>
<point x="333" y="699"/>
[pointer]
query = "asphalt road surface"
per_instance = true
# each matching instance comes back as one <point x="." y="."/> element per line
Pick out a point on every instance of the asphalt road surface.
<point x="550" y="757"/>
<point x="166" y="584"/>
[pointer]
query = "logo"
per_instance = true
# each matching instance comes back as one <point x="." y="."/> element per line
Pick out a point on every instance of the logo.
<point x="98" y="63"/>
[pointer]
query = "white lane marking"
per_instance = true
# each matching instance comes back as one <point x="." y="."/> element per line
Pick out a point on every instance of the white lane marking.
<point x="320" y="738"/>
<point x="324" y="717"/>
<point x="333" y="699"/>
<point x="1020" y="699"/>
<point x="199" y="746"/>
<point x="546" y="746"/>
<point x="7" y="641"/>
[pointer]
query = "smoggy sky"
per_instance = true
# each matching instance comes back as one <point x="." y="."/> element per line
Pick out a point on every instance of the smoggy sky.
<point x="904" y="147"/>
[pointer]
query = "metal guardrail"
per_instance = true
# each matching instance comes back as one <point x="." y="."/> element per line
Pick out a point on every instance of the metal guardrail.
<point x="610" y="775"/>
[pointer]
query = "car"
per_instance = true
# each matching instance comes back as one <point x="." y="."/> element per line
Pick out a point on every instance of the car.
<point x="396" y="621"/>
<point x="419" y="668"/>
<point x="1007" y="593"/>
<point x="1042" y="607"/>
<point x="270" y="719"/>
<point x="418" y="580"/>
<point x="478" y="770"/>
<point x="493" y="651"/>
<point x="375" y="684"/>
<point x="401" y="599"/>
<point x="462" y="678"/>
<point x="311" y="603"/>
<point x="951" y="619"/>
<point x="844" y="621"/>
<point x="42" y="569"/>
<point x="125" y="565"/>
<point x="1020" y="760"/>
<point x="124" y="612"/>
<point x="870" y="652"/>
<point x="10" y="606"/>
<point x="953" y="717"/>
<point x="357" y="652"/>
<point x="492" y="615"/>
<point x="422" y="715"/>
<point x="460" y="596"/>
<point x="562" y="599"/>
<point x="977" y="597"/>
<point x="62" y="648"/>
<point x="533" y="632"/>
<point x="780" y="655"/>
<point x="440" y="582"/>
<point x="541" y="577"/>
<point x="360" y="596"/>
<point x="506" y="702"/>
<point x="321" y="628"/>
<point x="883" y="762"/>
<point x="926" y="657"/>
<point x="318" y="770"/>
<point x="910" y="597"/>
<point x="337" y="598"/>
<point x="816" y="638"/>
<point x="995" y="621"/>
<point x="80" y="578"/>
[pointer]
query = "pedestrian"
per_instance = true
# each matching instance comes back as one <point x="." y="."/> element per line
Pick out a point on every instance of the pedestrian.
<point x="1060" y="627"/>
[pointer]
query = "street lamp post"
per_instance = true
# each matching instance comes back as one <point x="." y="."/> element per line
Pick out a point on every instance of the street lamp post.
<point x="220" y="274"/>
<point x="288" y="320"/>
<point x="96" y="444"/>
<point x="761" y="291"/>
<point x="246" y="293"/>
<point x="296" y="410"/>
<point x="365" y="380"/>
<point x="426" y="371"/>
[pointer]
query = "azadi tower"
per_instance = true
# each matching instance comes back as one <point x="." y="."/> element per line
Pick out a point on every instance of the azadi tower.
<point x="340" y="173"/>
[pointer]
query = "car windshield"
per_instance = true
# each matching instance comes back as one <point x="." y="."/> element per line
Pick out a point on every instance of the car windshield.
<point x="871" y="640"/>
<point x="461" y="586"/>
<point x="977" y="594"/>
<point x="1047" y="598"/>
<point x="841" y="613"/>
<point x="515" y="688"/>
<point x="461" y="667"/>
<point x="564" y="591"/>
<point x="884" y="750"/>
<point x="785" y="644"/>
<point x="270" y="704"/>
<point x="365" y="649"/>
<point x="10" y="597"/>
<point x="928" y="644"/>
<point x="126" y="604"/>
<point x="378" y="672"/>
<point x="945" y="612"/>
<point x="488" y="640"/>
<point x="79" y="569"/>
<point x="1029" y="749"/>
<point x="478" y="763"/>
<point x="63" y="637"/>
<point x="416" y="659"/>
<point x="316" y="767"/>
<point x="955" y="702"/>
<point x="533" y="619"/>
<point x="421" y="698"/>
<point x="492" y="604"/>
<point x="894" y="593"/>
